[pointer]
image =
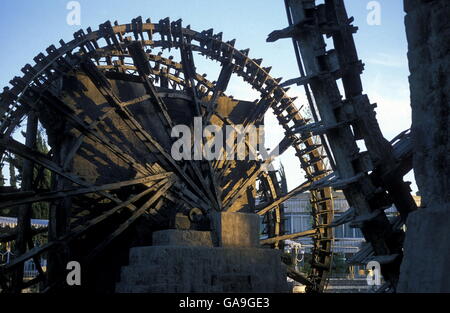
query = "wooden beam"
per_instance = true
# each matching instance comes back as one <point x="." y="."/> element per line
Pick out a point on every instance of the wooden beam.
<point x="298" y="277"/>
<point x="81" y="229"/>
<point x="303" y="187"/>
<point x="219" y="88"/>
<point x="189" y="70"/>
<point x="6" y="237"/>
<point x="79" y="191"/>
<point x="18" y="148"/>
<point x="92" y="133"/>
<point x="124" y="226"/>
<point x="141" y="62"/>
<point x="306" y="233"/>
<point x="148" y="140"/>
<point x="237" y="191"/>
<point x="25" y="211"/>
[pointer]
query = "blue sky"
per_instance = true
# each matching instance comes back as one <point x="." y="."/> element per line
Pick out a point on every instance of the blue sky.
<point x="31" y="26"/>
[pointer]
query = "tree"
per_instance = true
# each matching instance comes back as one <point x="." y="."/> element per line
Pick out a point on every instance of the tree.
<point x="41" y="178"/>
<point x="339" y="265"/>
<point x="2" y="177"/>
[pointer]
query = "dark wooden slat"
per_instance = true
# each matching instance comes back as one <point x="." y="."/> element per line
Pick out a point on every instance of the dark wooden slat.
<point x="306" y="233"/>
<point x="189" y="70"/>
<point x="298" y="277"/>
<point x="24" y="214"/>
<point x="219" y="88"/>
<point x="72" y="192"/>
<point x="20" y="149"/>
<point x="140" y="60"/>
<point x="148" y="140"/>
<point x="124" y="226"/>
<point x="238" y="190"/>
<point x="12" y="235"/>
<point x="36" y="260"/>
<point x="93" y="134"/>
<point x="93" y="128"/>
<point x="307" y="185"/>
<point x="79" y="230"/>
<point x="41" y="159"/>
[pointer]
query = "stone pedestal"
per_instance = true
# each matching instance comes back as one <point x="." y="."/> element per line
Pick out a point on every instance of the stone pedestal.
<point x="188" y="238"/>
<point x="235" y="229"/>
<point x="427" y="245"/>
<point x="227" y="259"/>
<point x="427" y="252"/>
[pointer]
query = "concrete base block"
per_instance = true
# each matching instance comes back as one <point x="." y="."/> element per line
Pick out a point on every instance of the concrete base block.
<point x="185" y="261"/>
<point x="235" y="229"/>
<point x="203" y="269"/>
<point x="182" y="222"/>
<point x="426" y="252"/>
<point x="175" y="237"/>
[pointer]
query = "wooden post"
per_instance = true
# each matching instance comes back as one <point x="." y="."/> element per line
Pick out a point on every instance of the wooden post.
<point x="59" y="223"/>
<point x="24" y="213"/>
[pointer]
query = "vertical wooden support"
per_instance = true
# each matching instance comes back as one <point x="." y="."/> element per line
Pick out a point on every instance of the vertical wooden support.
<point x="59" y="223"/>
<point x="24" y="213"/>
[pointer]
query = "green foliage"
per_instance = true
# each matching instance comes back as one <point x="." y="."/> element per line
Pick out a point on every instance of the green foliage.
<point x="306" y="263"/>
<point x="339" y="265"/>
<point x="12" y="171"/>
<point x="41" y="179"/>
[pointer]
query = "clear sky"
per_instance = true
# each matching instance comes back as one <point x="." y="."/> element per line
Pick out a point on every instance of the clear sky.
<point x="28" y="27"/>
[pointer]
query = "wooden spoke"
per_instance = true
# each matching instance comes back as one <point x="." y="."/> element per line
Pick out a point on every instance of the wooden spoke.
<point x="229" y="201"/>
<point x="141" y="62"/>
<point x="80" y="230"/>
<point x="307" y="233"/>
<point x="121" y="228"/>
<point x="187" y="61"/>
<point x="306" y="186"/>
<point x="148" y="140"/>
<point x="219" y="88"/>
<point x="93" y="134"/>
<point x="190" y="184"/>
<point x="189" y="70"/>
<point x="6" y="237"/>
<point x="298" y="277"/>
<point x="79" y="191"/>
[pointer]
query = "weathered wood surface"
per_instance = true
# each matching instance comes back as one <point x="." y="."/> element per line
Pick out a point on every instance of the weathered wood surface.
<point x="348" y="120"/>
<point x="108" y="123"/>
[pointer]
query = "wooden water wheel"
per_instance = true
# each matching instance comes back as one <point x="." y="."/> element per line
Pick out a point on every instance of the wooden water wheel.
<point x="108" y="101"/>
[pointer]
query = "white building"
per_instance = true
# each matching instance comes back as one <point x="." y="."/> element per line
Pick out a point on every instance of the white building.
<point x="348" y="240"/>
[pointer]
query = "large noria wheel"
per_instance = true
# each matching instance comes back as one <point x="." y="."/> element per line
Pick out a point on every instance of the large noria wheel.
<point x="108" y="101"/>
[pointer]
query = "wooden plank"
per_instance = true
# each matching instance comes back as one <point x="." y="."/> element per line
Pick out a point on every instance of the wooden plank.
<point x="92" y="133"/>
<point x="41" y="159"/>
<point x="24" y="214"/>
<point x="140" y="60"/>
<point x="298" y="277"/>
<point x="148" y="140"/>
<point x="79" y="230"/>
<point x="189" y="70"/>
<point x="306" y="233"/>
<point x="220" y="87"/>
<point x="13" y="234"/>
<point x="78" y="191"/>
<point x="124" y="226"/>
<point x="234" y="194"/>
